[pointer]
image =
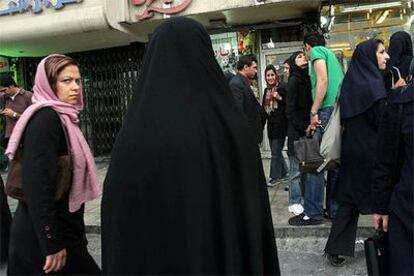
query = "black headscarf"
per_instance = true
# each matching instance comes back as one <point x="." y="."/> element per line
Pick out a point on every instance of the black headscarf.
<point x="406" y="94"/>
<point x="301" y="73"/>
<point x="185" y="192"/>
<point x="363" y="83"/>
<point x="401" y="52"/>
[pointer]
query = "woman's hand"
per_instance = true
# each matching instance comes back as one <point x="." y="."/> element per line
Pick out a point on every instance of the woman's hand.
<point x="381" y="221"/>
<point x="55" y="262"/>
<point x="400" y="83"/>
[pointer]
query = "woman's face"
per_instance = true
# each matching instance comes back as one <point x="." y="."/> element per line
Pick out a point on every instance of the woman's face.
<point x="270" y="77"/>
<point x="382" y="56"/>
<point x="301" y="60"/>
<point x="286" y="68"/>
<point x="68" y="85"/>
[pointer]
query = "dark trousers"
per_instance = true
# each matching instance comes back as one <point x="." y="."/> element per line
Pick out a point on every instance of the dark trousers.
<point x="331" y="185"/>
<point x="342" y="237"/>
<point x="401" y="243"/>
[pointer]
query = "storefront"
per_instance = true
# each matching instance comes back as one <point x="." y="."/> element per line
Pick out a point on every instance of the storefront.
<point x="108" y="38"/>
<point x="350" y="23"/>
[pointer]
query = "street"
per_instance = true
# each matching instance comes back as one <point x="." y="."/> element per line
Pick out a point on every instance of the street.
<point x="298" y="256"/>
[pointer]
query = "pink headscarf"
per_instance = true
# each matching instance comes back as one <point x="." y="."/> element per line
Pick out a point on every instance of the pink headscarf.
<point x="84" y="182"/>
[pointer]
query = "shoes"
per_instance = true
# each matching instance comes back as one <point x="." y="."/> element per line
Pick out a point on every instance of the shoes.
<point x="272" y="182"/>
<point x="326" y="215"/>
<point x="296" y="209"/>
<point x="335" y="260"/>
<point x="303" y="220"/>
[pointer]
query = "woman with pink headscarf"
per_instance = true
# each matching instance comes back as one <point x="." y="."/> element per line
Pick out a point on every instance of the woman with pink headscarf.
<point x="48" y="235"/>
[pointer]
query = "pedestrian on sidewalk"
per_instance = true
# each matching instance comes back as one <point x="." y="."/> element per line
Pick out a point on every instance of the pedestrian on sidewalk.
<point x="326" y="76"/>
<point x="48" y="234"/>
<point x="298" y="106"/>
<point x="362" y="102"/>
<point x="13" y="102"/>
<point x="250" y="108"/>
<point x="401" y="55"/>
<point x="393" y="187"/>
<point x="185" y="192"/>
<point x="274" y="101"/>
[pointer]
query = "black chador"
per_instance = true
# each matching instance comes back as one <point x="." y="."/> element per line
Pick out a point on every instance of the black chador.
<point x="185" y="192"/>
<point x="362" y="102"/>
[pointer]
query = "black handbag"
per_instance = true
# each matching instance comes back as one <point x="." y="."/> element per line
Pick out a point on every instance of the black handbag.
<point x="307" y="153"/>
<point x="376" y="254"/>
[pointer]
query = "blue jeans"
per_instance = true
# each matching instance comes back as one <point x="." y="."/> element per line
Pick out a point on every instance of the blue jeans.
<point x="295" y="193"/>
<point x="278" y="166"/>
<point x="331" y="184"/>
<point x="315" y="183"/>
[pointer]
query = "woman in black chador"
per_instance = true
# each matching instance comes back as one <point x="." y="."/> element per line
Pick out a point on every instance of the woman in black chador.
<point x="401" y="54"/>
<point x="393" y="187"/>
<point x="362" y="102"/>
<point x="185" y="192"/>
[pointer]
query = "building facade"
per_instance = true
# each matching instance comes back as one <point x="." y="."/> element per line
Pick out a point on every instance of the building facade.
<point x="108" y="38"/>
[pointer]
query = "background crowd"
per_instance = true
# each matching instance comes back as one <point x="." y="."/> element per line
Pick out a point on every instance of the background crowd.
<point x="192" y="165"/>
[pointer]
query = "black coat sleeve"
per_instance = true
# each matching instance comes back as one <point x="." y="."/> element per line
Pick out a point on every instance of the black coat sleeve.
<point x="292" y="100"/>
<point x="238" y="95"/>
<point x="42" y="139"/>
<point x="264" y="116"/>
<point x="386" y="160"/>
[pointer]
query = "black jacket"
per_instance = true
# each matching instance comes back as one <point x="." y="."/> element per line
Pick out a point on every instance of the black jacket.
<point x="276" y="120"/>
<point x="298" y="106"/>
<point x="393" y="187"/>
<point x="55" y="227"/>
<point x="5" y="222"/>
<point x="248" y="105"/>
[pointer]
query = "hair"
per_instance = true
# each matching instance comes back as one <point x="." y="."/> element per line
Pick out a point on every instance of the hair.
<point x="54" y="65"/>
<point x="314" y="39"/>
<point x="245" y="60"/>
<point x="378" y="42"/>
<point x="294" y="56"/>
<point x="7" y="80"/>
<point x="270" y="67"/>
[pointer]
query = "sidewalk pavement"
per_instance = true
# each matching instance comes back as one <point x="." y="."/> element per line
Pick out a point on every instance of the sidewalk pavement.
<point x="279" y="205"/>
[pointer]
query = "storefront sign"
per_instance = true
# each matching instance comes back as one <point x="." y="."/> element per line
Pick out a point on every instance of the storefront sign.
<point x="36" y="6"/>
<point x="152" y="8"/>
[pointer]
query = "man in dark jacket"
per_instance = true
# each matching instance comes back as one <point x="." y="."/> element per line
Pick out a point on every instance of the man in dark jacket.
<point x="14" y="100"/>
<point x="243" y="94"/>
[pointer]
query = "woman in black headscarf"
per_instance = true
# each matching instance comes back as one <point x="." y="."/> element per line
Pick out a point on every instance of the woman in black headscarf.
<point x="393" y="186"/>
<point x="362" y="101"/>
<point x="185" y="192"/>
<point x="401" y="55"/>
<point x="298" y="106"/>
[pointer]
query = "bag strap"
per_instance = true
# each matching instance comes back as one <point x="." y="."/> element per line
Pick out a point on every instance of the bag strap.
<point x="392" y="76"/>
